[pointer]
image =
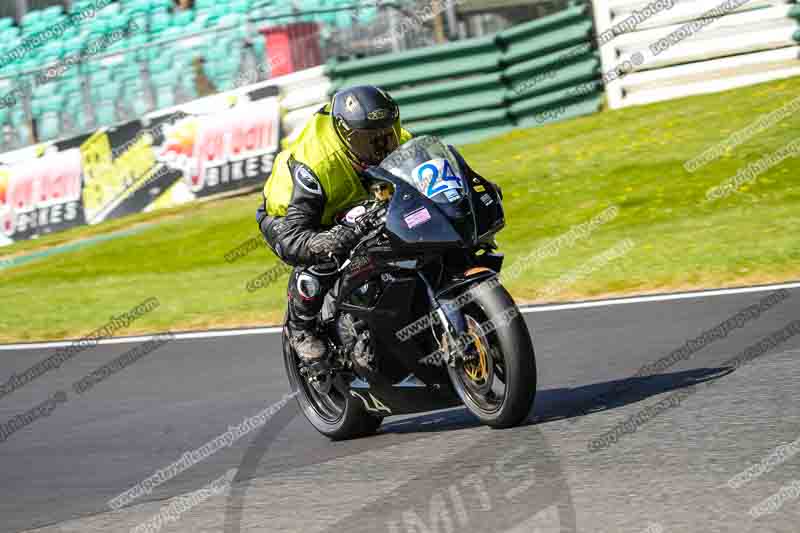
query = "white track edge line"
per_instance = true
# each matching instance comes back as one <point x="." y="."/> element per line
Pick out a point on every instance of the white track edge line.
<point x="143" y="338"/>
<point x="659" y="297"/>
<point x="524" y="310"/>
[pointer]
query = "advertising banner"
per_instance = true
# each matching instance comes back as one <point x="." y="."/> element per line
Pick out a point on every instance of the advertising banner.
<point x="215" y="145"/>
<point x="216" y="150"/>
<point x="41" y="195"/>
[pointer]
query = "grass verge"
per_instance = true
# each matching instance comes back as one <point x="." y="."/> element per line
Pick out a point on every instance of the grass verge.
<point x="553" y="178"/>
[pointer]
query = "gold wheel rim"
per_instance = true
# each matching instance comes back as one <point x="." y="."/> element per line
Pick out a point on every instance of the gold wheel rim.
<point x="477" y="372"/>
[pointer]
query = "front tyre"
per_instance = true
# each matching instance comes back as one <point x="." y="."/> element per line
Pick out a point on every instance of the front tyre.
<point x="337" y="414"/>
<point x="496" y="379"/>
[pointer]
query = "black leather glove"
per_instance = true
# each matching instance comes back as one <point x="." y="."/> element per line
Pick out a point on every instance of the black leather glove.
<point x="334" y="243"/>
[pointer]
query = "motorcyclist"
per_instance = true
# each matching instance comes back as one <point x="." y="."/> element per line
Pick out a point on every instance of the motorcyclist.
<point x="318" y="176"/>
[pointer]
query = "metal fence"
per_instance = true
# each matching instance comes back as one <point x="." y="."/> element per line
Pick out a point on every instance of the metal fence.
<point x="395" y="27"/>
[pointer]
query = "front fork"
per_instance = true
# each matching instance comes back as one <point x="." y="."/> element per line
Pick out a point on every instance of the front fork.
<point x="450" y="316"/>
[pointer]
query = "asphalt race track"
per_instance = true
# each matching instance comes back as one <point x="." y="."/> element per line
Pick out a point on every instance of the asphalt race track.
<point x="438" y="472"/>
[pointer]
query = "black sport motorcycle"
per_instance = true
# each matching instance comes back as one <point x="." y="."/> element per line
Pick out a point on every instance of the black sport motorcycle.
<point x="417" y="319"/>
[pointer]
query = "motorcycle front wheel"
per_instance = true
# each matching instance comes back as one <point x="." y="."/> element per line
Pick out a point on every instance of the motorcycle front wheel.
<point x="496" y="379"/>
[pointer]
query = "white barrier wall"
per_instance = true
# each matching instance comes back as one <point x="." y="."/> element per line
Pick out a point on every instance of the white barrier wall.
<point x="676" y="48"/>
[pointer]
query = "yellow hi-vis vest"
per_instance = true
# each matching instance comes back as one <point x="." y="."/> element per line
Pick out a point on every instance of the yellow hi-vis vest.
<point x="320" y="149"/>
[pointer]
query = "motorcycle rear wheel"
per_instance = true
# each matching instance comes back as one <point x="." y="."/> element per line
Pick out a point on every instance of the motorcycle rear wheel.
<point x="338" y="415"/>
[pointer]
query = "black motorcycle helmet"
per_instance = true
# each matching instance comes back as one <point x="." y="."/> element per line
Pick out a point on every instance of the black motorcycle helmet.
<point x="367" y="120"/>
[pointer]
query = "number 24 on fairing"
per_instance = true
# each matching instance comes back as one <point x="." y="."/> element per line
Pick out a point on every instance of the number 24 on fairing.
<point x="439" y="177"/>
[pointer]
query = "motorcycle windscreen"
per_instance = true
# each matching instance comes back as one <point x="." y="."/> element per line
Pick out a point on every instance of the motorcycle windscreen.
<point x="428" y="165"/>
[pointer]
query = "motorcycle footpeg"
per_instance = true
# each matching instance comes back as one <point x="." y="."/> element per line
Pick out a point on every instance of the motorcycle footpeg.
<point x="318" y="374"/>
<point x="315" y="368"/>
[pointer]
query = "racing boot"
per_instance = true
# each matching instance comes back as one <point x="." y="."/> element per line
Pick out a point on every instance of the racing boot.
<point x="308" y="346"/>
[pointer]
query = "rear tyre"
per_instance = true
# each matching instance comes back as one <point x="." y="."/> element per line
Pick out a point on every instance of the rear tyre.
<point x="337" y="415"/>
<point x="498" y="383"/>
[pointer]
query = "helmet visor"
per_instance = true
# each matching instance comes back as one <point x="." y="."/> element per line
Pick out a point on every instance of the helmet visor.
<point x="372" y="146"/>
